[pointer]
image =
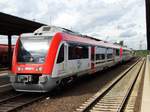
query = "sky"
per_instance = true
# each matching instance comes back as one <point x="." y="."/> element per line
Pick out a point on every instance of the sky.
<point x="110" y="20"/>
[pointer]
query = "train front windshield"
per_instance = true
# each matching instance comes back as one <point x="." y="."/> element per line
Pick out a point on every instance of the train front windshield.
<point x="33" y="49"/>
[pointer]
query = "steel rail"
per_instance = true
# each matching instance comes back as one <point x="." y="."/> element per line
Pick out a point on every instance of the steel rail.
<point x="93" y="100"/>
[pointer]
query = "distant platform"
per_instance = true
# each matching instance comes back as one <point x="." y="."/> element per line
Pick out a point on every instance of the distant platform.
<point x="4" y="74"/>
<point x="145" y="106"/>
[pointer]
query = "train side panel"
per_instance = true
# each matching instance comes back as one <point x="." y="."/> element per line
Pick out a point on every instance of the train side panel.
<point x="76" y="60"/>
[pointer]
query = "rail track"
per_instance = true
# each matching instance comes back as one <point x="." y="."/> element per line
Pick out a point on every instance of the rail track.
<point x="15" y="102"/>
<point x="5" y="87"/>
<point x="115" y="95"/>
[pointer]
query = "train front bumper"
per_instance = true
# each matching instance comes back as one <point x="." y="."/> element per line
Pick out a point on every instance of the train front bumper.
<point x="45" y="84"/>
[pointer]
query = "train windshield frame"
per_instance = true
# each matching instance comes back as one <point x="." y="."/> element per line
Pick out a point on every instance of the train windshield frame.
<point x="33" y="49"/>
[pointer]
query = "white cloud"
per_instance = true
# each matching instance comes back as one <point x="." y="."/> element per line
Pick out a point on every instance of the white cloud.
<point x="105" y="19"/>
<point x="128" y="33"/>
<point x="66" y="19"/>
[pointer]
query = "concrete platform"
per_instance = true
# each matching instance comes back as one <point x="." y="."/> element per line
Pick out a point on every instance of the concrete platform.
<point x="145" y="106"/>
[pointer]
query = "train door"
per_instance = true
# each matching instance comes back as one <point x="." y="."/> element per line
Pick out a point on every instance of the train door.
<point x="83" y="60"/>
<point x="92" y="57"/>
<point x="72" y="59"/>
<point x="78" y="58"/>
<point x="121" y="54"/>
<point x="117" y="55"/>
<point x="61" y="64"/>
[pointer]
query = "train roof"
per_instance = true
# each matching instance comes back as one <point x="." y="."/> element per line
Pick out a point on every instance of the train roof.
<point x="72" y="36"/>
<point x="90" y="41"/>
<point x="54" y="29"/>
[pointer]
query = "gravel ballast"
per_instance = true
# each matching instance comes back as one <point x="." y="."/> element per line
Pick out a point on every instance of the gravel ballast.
<point x="69" y="98"/>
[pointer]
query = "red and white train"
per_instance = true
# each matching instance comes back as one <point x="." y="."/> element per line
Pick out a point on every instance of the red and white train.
<point x="50" y="55"/>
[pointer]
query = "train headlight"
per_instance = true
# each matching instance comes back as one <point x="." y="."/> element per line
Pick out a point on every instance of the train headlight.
<point x="39" y="69"/>
<point x="19" y="69"/>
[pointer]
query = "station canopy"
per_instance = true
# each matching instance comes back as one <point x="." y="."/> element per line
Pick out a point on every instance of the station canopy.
<point x="12" y="25"/>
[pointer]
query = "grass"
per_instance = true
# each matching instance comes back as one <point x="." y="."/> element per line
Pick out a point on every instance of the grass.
<point x="142" y="53"/>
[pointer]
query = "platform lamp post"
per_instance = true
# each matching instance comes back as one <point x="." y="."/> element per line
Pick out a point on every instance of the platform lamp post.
<point x="147" y="3"/>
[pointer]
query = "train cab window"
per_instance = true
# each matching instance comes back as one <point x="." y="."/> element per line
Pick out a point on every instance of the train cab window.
<point x="60" y="58"/>
<point x="33" y="50"/>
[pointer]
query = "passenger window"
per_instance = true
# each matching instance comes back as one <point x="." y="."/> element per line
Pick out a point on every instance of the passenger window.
<point x="109" y="56"/>
<point x="92" y="53"/>
<point x="72" y="53"/>
<point x="60" y="58"/>
<point x="78" y="51"/>
<point x="109" y="53"/>
<point x="100" y="56"/>
<point x="100" y="53"/>
<point x="117" y="52"/>
<point x="85" y="52"/>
